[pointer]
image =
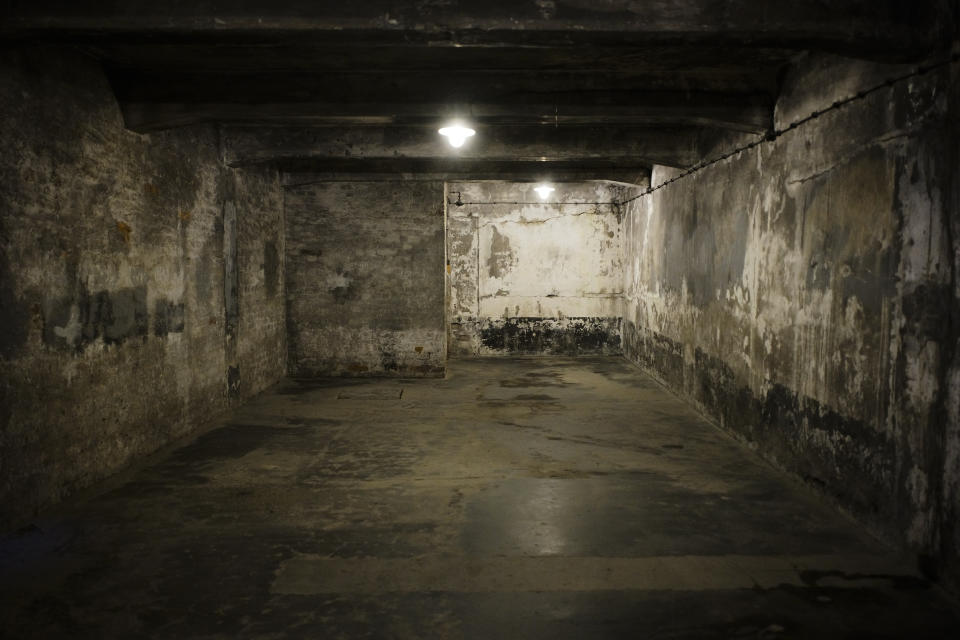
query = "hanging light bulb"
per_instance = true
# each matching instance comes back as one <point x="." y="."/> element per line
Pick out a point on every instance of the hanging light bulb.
<point x="543" y="191"/>
<point x="456" y="134"/>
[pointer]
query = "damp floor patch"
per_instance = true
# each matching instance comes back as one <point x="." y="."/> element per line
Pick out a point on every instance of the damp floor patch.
<point x="426" y="510"/>
<point x="370" y="394"/>
<point x="310" y="574"/>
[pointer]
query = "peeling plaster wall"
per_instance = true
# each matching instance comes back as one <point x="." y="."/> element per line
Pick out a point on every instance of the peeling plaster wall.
<point x="365" y="279"/>
<point x="533" y="278"/>
<point x="118" y="335"/>
<point x="803" y="294"/>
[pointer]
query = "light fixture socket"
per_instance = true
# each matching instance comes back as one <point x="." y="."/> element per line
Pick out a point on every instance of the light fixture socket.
<point x="456" y="134"/>
<point x="544" y="191"/>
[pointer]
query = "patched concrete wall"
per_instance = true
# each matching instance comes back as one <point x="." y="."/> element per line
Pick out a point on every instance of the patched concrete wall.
<point x="365" y="279"/>
<point x="535" y="278"/>
<point x="804" y="295"/>
<point x="118" y="334"/>
<point x="261" y="332"/>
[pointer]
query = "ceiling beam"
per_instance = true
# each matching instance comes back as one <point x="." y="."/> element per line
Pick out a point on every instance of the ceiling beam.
<point x="537" y="145"/>
<point x="880" y="29"/>
<point x="447" y="85"/>
<point x="645" y="109"/>
<point x="147" y="117"/>
<point x="308" y="172"/>
<point x="158" y="100"/>
<point x="637" y="57"/>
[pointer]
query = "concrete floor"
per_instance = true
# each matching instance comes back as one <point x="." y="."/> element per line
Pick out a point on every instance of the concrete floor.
<point x="524" y="498"/>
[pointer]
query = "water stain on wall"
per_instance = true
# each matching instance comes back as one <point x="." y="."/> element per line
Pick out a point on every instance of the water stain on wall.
<point x="71" y="323"/>
<point x="167" y="317"/>
<point x="501" y="258"/>
<point x="569" y="336"/>
<point x="271" y="267"/>
<point x="13" y="312"/>
<point x="343" y="287"/>
<point x="231" y="275"/>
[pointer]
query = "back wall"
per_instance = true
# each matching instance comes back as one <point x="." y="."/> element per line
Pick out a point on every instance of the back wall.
<point x="537" y="277"/>
<point x="365" y="278"/>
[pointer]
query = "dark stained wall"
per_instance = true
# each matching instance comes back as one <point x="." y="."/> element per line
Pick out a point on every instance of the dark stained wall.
<point x="117" y="333"/>
<point x="364" y="269"/>
<point x="804" y="295"/>
<point x="261" y="335"/>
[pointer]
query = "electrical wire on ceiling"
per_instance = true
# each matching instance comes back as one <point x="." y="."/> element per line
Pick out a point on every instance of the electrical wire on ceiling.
<point x="539" y="202"/>
<point x="770" y="136"/>
<point x="460" y="203"/>
<point x="776" y="133"/>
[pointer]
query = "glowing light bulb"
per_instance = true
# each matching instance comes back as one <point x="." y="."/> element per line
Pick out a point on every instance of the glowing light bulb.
<point x="456" y="134"/>
<point x="544" y="190"/>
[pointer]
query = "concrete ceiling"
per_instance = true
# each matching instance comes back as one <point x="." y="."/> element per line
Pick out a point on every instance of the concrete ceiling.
<point x="584" y="88"/>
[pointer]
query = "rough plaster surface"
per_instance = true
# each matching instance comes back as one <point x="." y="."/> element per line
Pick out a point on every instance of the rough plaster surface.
<point x="116" y="336"/>
<point x="533" y="277"/>
<point x="365" y="278"/>
<point x="803" y="294"/>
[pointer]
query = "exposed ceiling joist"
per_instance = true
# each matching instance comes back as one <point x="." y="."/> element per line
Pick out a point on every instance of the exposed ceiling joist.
<point x="502" y="144"/>
<point x="636" y="57"/>
<point x="877" y="28"/>
<point x="726" y="97"/>
<point x="451" y="85"/>
<point x="150" y="116"/>
<point x="752" y="116"/>
<point x="579" y="87"/>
